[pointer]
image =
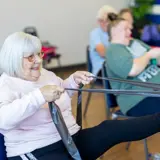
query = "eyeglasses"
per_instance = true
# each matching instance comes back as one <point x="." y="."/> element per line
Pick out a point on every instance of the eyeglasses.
<point x="32" y="57"/>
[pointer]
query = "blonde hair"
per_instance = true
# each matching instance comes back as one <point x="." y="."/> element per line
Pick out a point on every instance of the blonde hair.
<point x="15" y="47"/>
<point x="103" y="12"/>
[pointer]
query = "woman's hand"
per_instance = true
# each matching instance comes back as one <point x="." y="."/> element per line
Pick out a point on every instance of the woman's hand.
<point x="82" y="77"/>
<point x="51" y="92"/>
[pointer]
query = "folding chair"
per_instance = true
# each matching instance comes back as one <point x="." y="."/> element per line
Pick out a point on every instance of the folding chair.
<point x="31" y="30"/>
<point x="110" y="100"/>
<point x="92" y="85"/>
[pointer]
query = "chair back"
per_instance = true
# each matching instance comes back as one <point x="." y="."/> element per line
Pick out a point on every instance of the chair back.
<point x="89" y="64"/>
<point x="110" y="98"/>
<point x="2" y="148"/>
<point x="31" y="30"/>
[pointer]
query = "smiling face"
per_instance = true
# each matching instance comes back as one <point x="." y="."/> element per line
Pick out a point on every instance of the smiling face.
<point x="32" y="67"/>
<point x="22" y="52"/>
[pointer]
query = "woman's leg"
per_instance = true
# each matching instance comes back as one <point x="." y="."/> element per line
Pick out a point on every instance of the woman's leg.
<point x="93" y="142"/>
<point x="148" y="106"/>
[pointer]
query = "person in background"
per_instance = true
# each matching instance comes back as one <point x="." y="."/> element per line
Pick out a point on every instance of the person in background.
<point x="99" y="39"/>
<point x="125" y="61"/>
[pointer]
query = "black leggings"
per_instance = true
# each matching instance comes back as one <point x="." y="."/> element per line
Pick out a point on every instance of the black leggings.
<point x="93" y="142"/>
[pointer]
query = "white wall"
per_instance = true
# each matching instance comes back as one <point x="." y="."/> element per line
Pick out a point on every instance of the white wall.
<point x="66" y="23"/>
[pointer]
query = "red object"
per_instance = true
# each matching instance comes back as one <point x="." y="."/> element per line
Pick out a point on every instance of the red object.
<point x="48" y="50"/>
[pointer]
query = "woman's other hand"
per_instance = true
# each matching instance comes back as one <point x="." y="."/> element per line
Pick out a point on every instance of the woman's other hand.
<point x="51" y="92"/>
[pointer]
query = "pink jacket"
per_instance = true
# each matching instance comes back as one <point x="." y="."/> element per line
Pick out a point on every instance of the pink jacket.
<point x="25" y="120"/>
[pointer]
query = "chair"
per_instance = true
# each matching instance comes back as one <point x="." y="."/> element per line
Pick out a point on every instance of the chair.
<point x="89" y="68"/>
<point x="2" y="148"/>
<point x="110" y="99"/>
<point x="31" y="30"/>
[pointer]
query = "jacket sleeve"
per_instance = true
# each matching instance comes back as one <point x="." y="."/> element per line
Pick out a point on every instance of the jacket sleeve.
<point x="13" y="109"/>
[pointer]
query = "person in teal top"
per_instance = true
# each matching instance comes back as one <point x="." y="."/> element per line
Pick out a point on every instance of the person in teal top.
<point x="131" y="59"/>
<point x="99" y="39"/>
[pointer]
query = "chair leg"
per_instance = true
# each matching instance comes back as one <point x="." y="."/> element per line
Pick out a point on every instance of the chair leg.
<point x="108" y="112"/>
<point x="146" y="149"/>
<point x="87" y="104"/>
<point x="128" y="145"/>
<point x="59" y="63"/>
<point x="44" y="63"/>
<point x="87" y="101"/>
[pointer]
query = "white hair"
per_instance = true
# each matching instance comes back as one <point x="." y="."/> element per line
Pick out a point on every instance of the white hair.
<point x="103" y="12"/>
<point x="15" y="47"/>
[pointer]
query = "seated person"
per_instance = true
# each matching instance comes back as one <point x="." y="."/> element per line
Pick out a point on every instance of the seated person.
<point x="99" y="39"/>
<point x="25" y="120"/>
<point x="124" y="61"/>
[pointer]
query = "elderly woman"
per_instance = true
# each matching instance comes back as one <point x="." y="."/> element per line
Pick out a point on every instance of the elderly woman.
<point x="126" y="61"/>
<point x="99" y="39"/>
<point x="25" y="120"/>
